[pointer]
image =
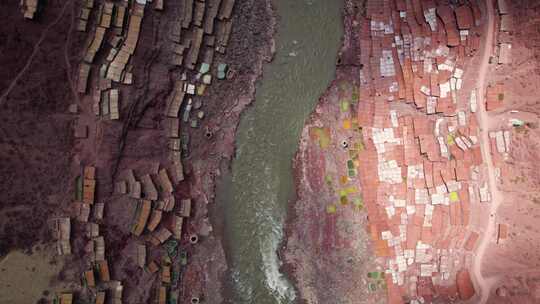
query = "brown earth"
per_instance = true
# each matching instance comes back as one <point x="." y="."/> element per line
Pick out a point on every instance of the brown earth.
<point x="513" y="264"/>
<point x="36" y="137"/>
<point x="42" y="158"/>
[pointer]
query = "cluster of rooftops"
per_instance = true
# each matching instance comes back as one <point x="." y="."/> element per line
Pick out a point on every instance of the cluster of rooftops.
<point x="418" y="61"/>
<point x="426" y="158"/>
<point x="29" y="8"/>
<point x="419" y="207"/>
<point x="90" y="214"/>
<point x="157" y="220"/>
<point x="203" y="27"/>
<point x="121" y="23"/>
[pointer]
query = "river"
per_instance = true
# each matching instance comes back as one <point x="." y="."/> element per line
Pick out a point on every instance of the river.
<point x="255" y="195"/>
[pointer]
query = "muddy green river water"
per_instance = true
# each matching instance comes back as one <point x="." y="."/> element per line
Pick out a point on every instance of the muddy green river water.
<point x="255" y="196"/>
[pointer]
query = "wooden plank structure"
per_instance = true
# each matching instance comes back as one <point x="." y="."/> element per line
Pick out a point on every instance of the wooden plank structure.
<point x="143" y="212"/>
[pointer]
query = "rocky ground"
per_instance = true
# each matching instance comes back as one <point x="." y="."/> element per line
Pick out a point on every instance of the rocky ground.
<point x="36" y="137"/>
<point x="327" y="249"/>
<point x="513" y="263"/>
<point x="42" y="158"/>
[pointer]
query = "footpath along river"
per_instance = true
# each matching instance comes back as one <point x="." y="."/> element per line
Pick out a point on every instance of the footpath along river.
<point x="255" y="195"/>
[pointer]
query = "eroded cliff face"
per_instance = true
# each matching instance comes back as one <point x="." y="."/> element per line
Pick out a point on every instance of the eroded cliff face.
<point x="390" y="166"/>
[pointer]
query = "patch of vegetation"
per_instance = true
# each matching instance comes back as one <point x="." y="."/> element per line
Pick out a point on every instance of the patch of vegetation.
<point x="377" y="281"/>
<point x="328" y="180"/>
<point x="454" y="197"/>
<point x="358" y="203"/>
<point x="354" y="125"/>
<point x="322" y="135"/>
<point x="374" y="275"/>
<point x="450" y="139"/>
<point x="345" y="105"/>
<point x="331" y="209"/>
<point x="355" y="95"/>
<point x="351" y="190"/>
<point x="350" y="164"/>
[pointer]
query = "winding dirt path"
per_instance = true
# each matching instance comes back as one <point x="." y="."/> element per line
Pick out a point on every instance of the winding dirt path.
<point x="35" y="51"/>
<point x="67" y="49"/>
<point x="484" y="283"/>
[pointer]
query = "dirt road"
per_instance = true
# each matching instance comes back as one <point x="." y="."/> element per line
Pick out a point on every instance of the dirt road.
<point x="484" y="283"/>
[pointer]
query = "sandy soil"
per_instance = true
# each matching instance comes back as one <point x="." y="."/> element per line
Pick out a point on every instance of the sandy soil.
<point x="28" y="278"/>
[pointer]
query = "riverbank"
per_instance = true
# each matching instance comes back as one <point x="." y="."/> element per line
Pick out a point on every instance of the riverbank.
<point x="326" y="265"/>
